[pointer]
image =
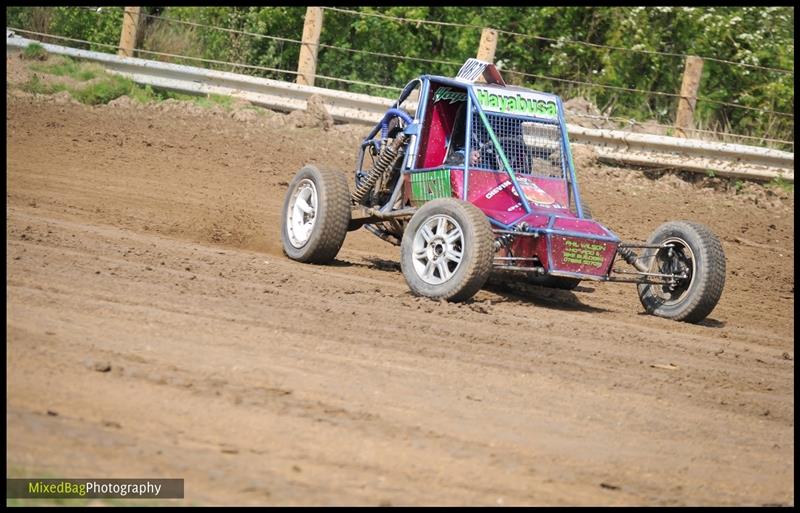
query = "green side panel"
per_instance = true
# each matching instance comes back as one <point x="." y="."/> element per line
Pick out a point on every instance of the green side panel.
<point x="430" y="185"/>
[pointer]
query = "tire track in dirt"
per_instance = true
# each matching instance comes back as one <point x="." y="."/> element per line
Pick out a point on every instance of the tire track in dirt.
<point x="232" y="365"/>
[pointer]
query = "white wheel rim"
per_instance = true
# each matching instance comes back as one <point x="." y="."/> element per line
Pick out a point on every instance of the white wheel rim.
<point x="438" y="249"/>
<point x="301" y="215"/>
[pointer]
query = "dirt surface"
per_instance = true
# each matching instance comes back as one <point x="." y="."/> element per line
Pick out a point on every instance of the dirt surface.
<point x="156" y="330"/>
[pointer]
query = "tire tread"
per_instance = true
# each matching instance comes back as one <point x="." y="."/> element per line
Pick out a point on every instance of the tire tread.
<point x="709" y="289"/>
<point x="333" y="220"/>
<point x="481" y="245"/>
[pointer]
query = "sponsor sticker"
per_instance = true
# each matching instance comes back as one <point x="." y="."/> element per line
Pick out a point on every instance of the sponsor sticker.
<point x="533" y="193"/>
<point x="583" y="253"/>
<point x="446" y="93"/>
<point x="525" y="103"/>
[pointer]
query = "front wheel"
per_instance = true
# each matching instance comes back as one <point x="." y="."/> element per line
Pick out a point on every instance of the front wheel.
<point x="690" y="250"/>
<point x="447" y="250"/>
<point x="316" y="213"/>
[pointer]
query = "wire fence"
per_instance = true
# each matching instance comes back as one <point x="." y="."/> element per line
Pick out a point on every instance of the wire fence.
<point x="455" y="63"/>
<point x="418" y="22"/>
<point x="287" y="70"/>
<point x="298" y="41"/>
<point x="641" y="91"/>
<point x="632" y="124"/>
<point x="552" y="40"/>
<point x="232" y="65"/>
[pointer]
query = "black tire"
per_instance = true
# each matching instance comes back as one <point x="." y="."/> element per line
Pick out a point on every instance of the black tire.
<point x="476" y="245"/>
<point x="331" y="216"/>
<point x="554" y="282"/>
<point x="700" y="252"/>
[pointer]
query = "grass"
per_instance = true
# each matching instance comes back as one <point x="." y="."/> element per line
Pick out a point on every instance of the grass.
<point x="149" y="94"/>
<point x="79" y="71"/>
<point x="108" y="87"/>
<point x="34" y="52"/>
<point x="211" y="100"/>
<point x="35" y="86"/>
<point x="103" y="91"/>
<point x="781" y="183"/>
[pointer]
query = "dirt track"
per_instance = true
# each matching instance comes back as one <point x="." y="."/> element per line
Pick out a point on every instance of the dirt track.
<point x="149" y="241"/>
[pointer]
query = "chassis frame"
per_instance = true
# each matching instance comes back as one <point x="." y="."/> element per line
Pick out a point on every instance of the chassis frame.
<point x="397" y="207"/>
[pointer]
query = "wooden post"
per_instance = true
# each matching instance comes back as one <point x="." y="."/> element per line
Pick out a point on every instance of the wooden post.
<point x="307" y="64"/>
<point x="130" y="26"/>
<point x="684" y="118"/>
<point x="487" y="45"/>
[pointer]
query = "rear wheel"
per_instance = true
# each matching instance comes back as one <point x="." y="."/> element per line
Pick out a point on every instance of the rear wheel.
<point x="447" y="250"/>
<point x="316" y="213"/>
<point x="691" y="250"/>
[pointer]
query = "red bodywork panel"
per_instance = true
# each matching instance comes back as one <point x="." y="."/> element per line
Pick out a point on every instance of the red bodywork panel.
<point x="439" y="121"/>
<point x="566" y="244"/>
<point x="575" y="245"/>
<point x="494" y="193"/>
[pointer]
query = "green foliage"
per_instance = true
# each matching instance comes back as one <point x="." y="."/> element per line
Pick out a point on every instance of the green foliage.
<point x="782" y="183"/>
<point x="68" y="67"/>
<point x="148" y="94"/>
<point x="142" y="94"/>
<point x="101" y="28"/>
<point x="212" y="100"/>
<point x="34" y="52"/>
<point x="111" y="88"/>
<point x="757" y="35"/>
<point x="34" y="85"/>
<point x="171" y="39"/>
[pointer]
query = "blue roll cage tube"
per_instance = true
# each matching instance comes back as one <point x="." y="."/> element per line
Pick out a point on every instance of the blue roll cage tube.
<point x="412" y="128"/>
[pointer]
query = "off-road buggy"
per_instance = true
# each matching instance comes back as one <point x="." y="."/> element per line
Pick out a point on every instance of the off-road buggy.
<point x="476" y="177"/>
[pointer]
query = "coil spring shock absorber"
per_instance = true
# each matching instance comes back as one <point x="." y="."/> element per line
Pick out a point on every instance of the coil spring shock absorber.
<point x="385" y="162"/>
<point x="627" y="254"/>
<point x="632" y="258"/>
<point x="505" y="240"/>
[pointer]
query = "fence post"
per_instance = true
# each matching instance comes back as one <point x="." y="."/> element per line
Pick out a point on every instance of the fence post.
<point x="487" y="45"/>
<point x="130" y="25"/>
<point x="684" y="118"/>
<point x="307" y="64"/>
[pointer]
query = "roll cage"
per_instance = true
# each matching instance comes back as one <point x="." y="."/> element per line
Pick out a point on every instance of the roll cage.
<point x="494" y="112"/>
